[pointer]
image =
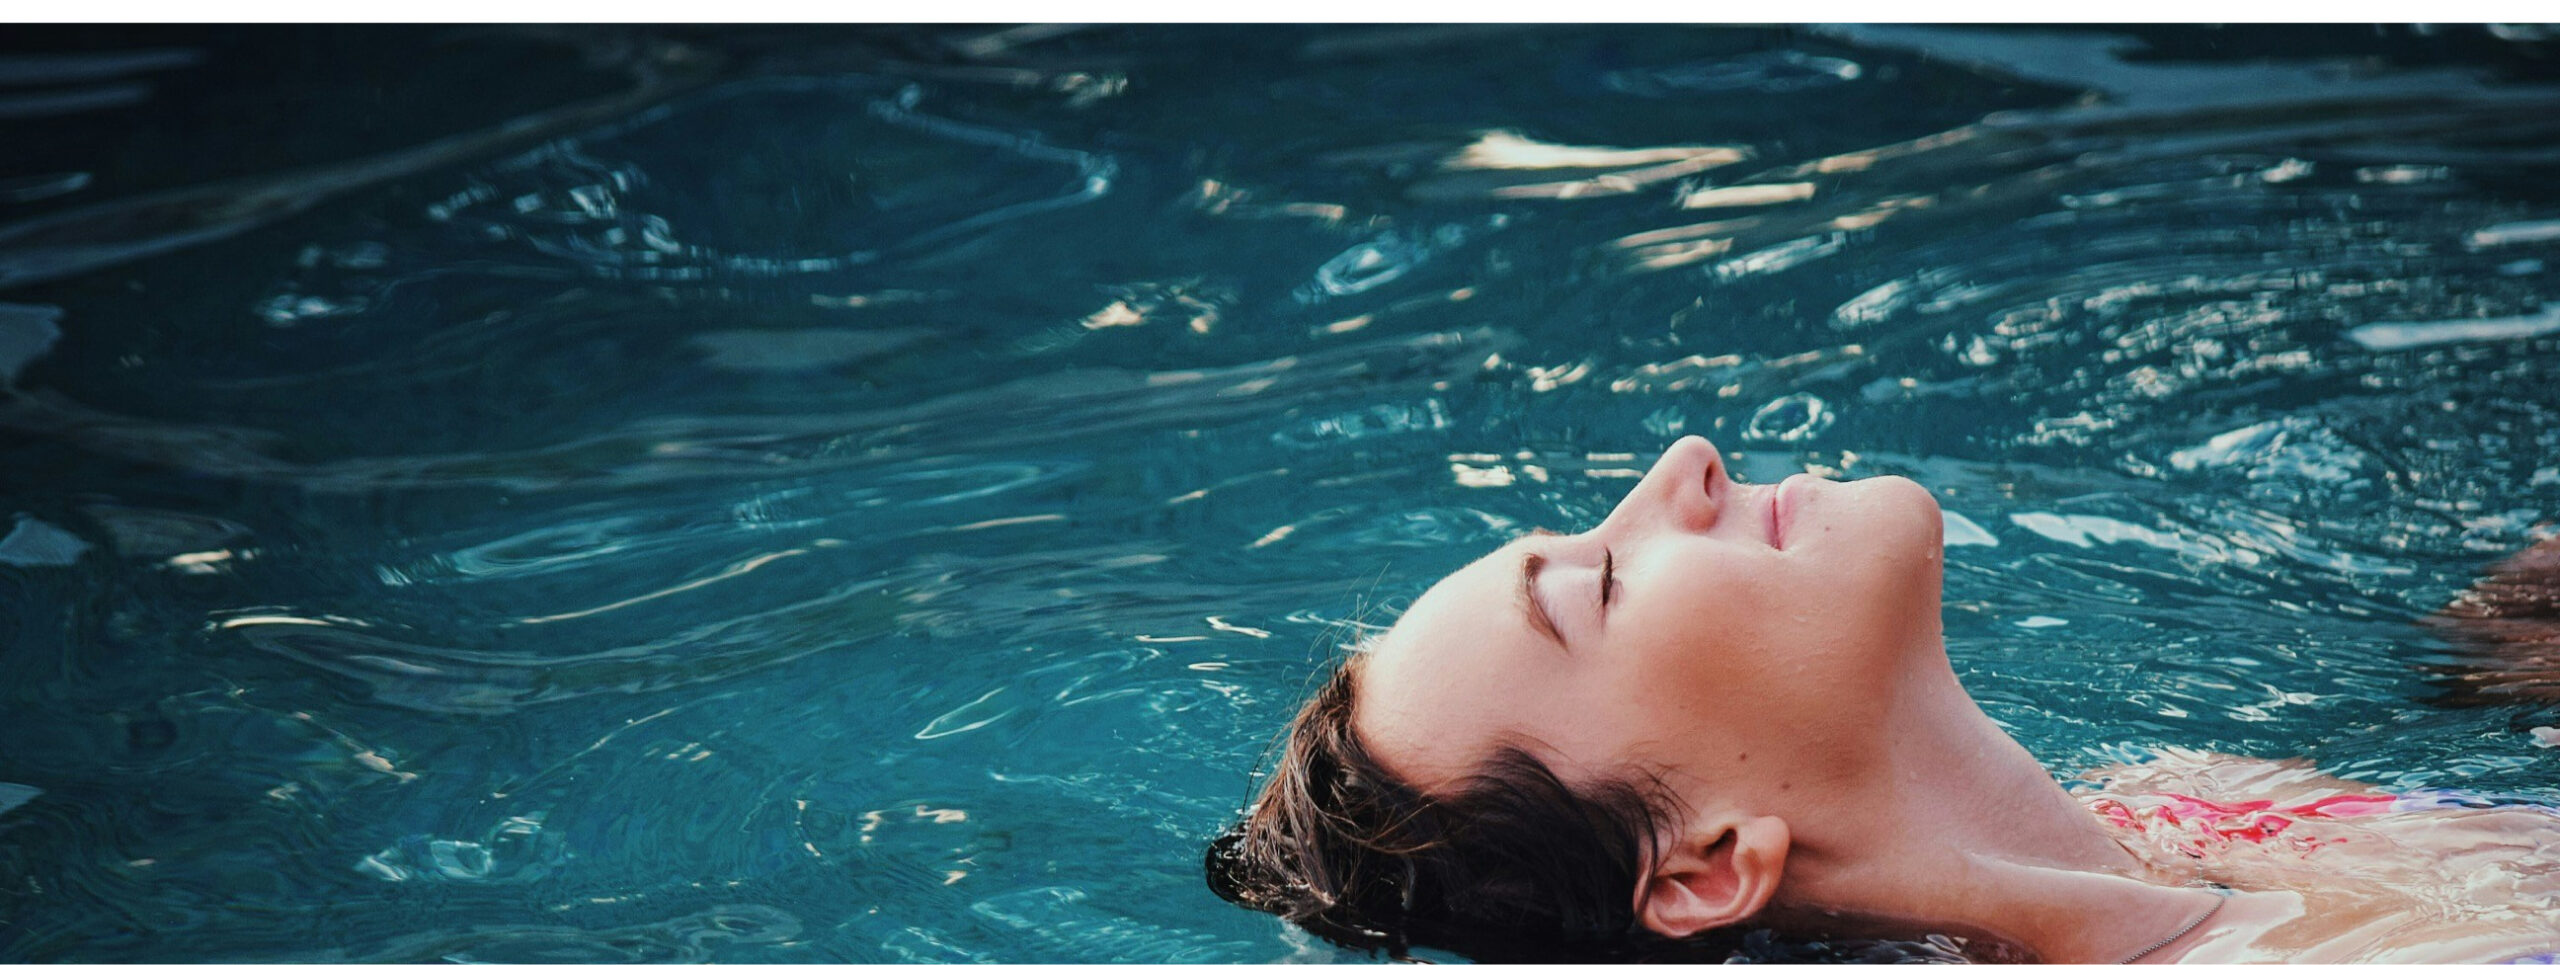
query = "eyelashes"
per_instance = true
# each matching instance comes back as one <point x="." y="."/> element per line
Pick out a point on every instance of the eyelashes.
<point x="1608" y="569"/>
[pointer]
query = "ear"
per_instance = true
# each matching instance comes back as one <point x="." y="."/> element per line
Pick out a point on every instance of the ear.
<point x="1718" y="874"/>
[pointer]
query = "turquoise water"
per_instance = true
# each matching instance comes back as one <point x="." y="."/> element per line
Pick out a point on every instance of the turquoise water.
<point x="807" y="495"/>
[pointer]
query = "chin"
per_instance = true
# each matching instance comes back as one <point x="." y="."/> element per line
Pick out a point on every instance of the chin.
<point x="1901" y="552"/>
<point x="1921" y="507"/>
<point x="1892" y="514"/>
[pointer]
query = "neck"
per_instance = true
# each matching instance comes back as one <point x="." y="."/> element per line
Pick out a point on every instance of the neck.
<point x="1959" y="827"/>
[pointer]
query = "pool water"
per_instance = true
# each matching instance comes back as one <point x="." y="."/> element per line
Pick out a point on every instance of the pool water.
<point x="778" y="495"/>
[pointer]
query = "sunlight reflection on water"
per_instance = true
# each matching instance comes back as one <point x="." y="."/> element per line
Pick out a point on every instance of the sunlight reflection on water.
<point x="828" y="504"/>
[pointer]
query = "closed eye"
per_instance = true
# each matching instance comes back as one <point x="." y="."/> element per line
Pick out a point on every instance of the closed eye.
<point x="1608" y="576"/>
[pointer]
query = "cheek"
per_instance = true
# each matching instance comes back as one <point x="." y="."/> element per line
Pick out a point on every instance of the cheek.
<point x="1761" y="646"/>
<point x="1712" y="649"/>
<point x="1758" y="685"/>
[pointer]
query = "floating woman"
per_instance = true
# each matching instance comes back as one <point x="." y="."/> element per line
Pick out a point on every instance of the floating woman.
<point x="1730" y="706"/>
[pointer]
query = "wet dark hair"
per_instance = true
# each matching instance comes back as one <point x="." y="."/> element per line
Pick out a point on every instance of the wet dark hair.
<point x="1512" y="864"/>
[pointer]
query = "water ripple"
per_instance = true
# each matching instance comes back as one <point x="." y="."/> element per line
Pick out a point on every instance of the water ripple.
<point x="399" y="669"/>
<point x="874" y="494"/>
<point x="592" y="200"/>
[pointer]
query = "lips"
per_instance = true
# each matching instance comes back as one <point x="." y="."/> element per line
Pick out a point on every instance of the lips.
<point x="1780" y="512"/>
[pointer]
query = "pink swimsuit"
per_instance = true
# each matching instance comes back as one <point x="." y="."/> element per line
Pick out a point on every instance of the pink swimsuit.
<point x="2214" y="822"/>
<point x="2253" y="821"/>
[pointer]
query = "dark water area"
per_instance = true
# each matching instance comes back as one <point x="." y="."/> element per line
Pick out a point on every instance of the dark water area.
<point x="778" y="494"/>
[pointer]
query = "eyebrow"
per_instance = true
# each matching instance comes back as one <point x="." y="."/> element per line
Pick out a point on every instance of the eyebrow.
<point x="1530" y="564"/>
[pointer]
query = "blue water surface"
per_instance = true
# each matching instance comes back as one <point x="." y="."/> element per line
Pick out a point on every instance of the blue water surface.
<point x="861" y="494"/>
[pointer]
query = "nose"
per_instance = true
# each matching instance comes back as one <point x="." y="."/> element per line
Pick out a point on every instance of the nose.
<point x="1683" y="490"/>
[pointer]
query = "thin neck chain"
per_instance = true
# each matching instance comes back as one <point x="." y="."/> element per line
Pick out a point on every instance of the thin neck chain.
<point x="2222" y="896"/>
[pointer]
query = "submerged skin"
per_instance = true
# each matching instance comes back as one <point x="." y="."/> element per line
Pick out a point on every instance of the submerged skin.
<point x="2506" y="631"/>
<point x="1773" y="654"/>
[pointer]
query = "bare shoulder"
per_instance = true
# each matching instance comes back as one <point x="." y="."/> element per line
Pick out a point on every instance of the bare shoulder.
<point x="2218" y="776"/>
<point x="2504" y="632"/>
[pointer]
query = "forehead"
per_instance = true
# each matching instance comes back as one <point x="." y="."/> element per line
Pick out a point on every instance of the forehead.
<point x="1456" y="674"/>
<point x="1473" y="599"/>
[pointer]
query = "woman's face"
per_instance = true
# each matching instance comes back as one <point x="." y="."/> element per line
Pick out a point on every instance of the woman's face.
<point x="1703" y="625"/>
